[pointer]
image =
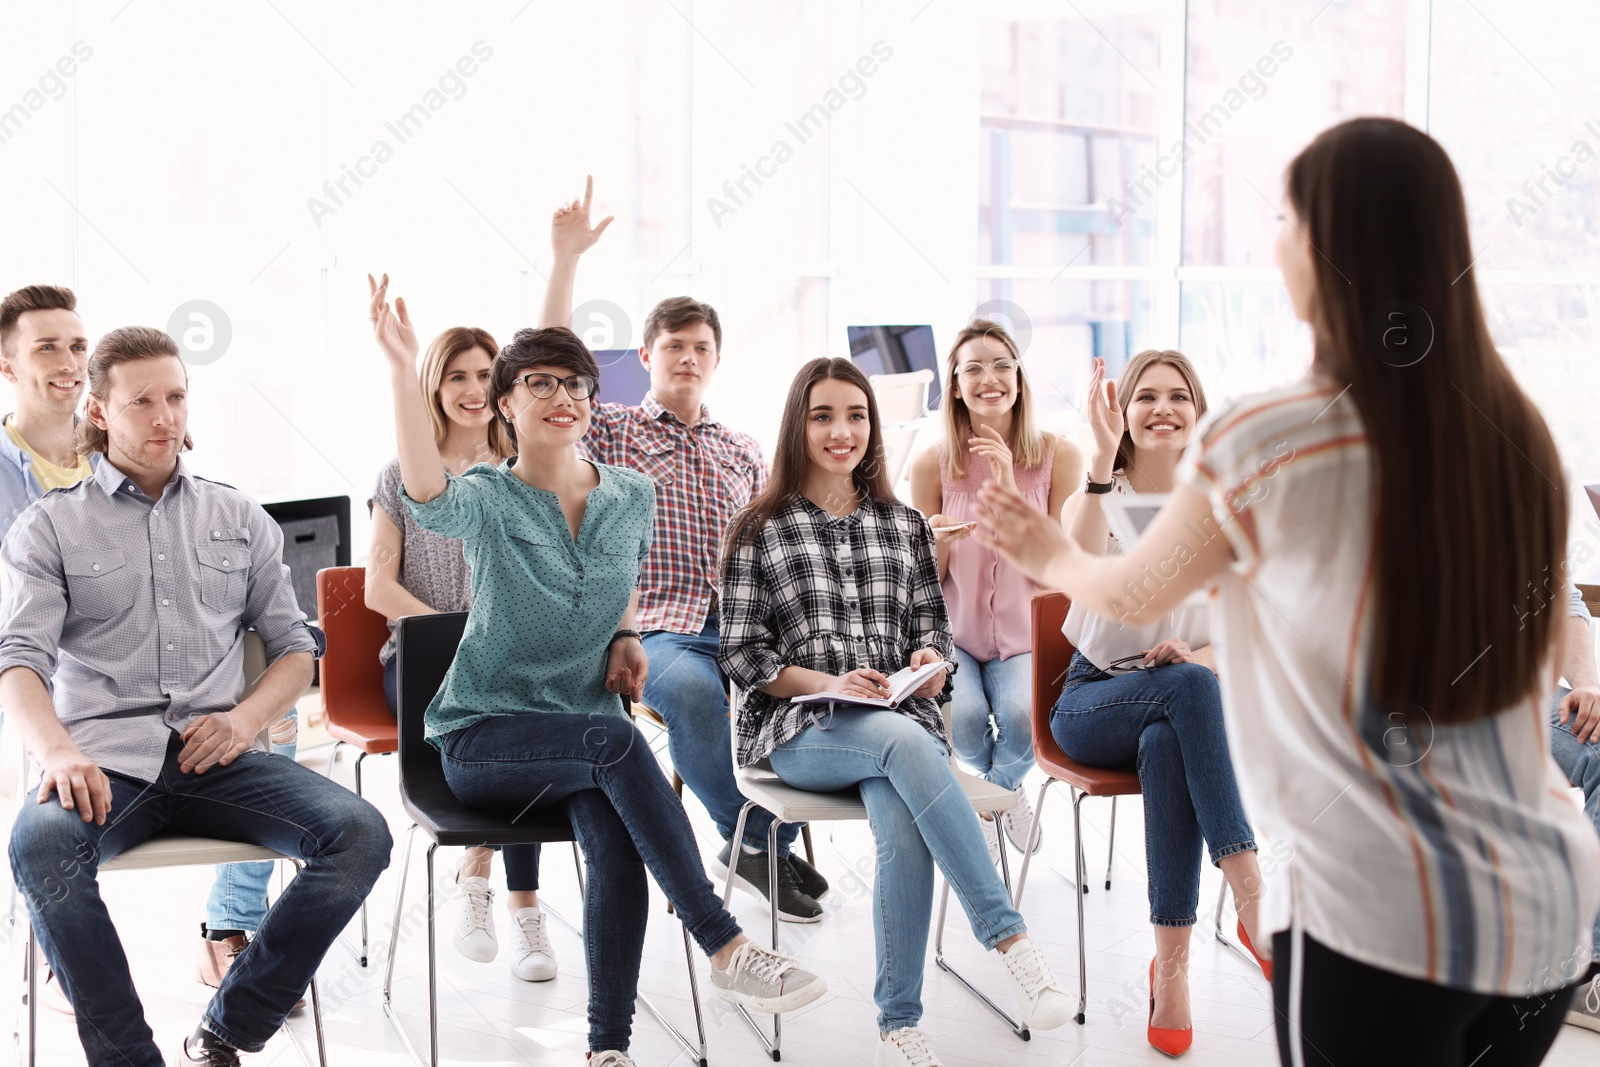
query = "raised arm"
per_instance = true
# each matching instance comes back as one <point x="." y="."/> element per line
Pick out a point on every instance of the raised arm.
<point x="1083" y="516"/>
<point x="570" y="237"/>
<point x="421" y="469"/>
<point x="383" y="591"/>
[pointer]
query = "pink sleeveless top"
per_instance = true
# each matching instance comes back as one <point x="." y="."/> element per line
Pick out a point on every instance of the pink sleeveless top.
<point x="987" y="597"/>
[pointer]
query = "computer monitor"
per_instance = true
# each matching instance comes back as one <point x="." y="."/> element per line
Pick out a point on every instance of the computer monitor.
<point x="623" y="379"/>
<point x="897" y="350"/>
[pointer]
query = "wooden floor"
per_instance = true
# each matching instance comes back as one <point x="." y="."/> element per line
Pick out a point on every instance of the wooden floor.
<point x="489" y="1017"/>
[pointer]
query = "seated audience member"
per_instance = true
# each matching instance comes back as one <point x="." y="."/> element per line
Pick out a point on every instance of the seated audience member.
<point x="1146" y="696"/>
<point x="830" y="585"/>
<point x="122" y="665"/>
<point x="704" y="472"/>
<point x="1368" y="534"/>
<point x="414" y="571"/>
<point x="1575" y="722"/>
<point x="529" y="714"/>
<point x="990" y="432"/>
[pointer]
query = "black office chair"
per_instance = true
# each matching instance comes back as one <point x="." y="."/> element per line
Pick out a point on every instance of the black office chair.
<point x="427" y="646"/>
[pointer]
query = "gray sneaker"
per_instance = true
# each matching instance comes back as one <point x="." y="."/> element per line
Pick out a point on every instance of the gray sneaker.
<point x="1585" y="1010"/>
<point x="761" y="979"/>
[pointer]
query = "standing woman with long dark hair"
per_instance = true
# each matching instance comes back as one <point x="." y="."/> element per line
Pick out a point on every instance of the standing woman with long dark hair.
<point x="1384" y="682"/>
<point x="829" y="585"/>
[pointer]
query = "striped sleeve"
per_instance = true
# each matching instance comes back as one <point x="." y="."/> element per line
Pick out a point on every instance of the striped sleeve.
<point x="1213" y="465"/>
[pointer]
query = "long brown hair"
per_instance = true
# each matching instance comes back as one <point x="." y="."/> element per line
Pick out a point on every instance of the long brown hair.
<point x="792" y="464"/>
<point x="1469" y="499"/>
<point x="447" y="346"/>
<point x="1028" y="442"/>
<point x="127" y="344"/>
<point x="1128" y="384"/>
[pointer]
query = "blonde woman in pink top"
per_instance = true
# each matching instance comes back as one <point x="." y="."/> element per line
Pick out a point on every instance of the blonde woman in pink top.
<point x="990" y="434"/>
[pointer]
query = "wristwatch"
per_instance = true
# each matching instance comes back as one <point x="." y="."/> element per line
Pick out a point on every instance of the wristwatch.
<point x="1092" y="486"/>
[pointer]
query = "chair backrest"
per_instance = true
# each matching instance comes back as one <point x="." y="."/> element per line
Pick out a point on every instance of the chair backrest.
<point x="1052" y="652"/>
<point x="351" y="673"/>
<point x="427" y="648"/>
<point x="1591" y="597"/>
<point x="902" y="397"/>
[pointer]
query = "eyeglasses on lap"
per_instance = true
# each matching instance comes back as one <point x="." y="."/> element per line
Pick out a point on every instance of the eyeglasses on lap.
<point x="543" y="386"/>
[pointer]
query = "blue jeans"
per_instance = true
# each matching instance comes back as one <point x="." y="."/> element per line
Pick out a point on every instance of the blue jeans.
<point x="685" y="686"/>
<point x="258" y="798"/>
<point x="238" y="899"/>
<point x="599" y="771"/>
<point x="1167" y="722"/>
<point x="522" y="861"/>
<point x="920" y="816"/>
<point x="1580" y="762"/>
<point x="991" y="713"/>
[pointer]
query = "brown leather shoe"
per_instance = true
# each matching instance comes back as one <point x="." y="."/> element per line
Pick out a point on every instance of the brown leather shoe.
<point x="216" y="957"/>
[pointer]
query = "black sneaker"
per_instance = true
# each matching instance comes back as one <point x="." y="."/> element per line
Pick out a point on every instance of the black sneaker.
<point x="751" y="876"/>
<point x="203" y="1046"/>
<point x="812" y="884"/>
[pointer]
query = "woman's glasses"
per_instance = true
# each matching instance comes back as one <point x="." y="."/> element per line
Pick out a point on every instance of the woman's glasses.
<point x="973" y="372"/>
<point x="543" y="386"/>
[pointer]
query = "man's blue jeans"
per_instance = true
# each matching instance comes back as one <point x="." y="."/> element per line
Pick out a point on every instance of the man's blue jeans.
<point x="238" y="899"/>
<point x="685" y="686"/>
<point x="991" y="713"/>
<point x="600" y="772"/>
<point x="1167" y="722"/>
<point x="920" y="816"/>
<point x="1580" y="762"/>
<point x="258" y="798"/>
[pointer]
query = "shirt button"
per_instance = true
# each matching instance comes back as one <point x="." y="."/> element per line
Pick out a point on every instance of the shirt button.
<point x="224" y="563"/>
<point x="155" y="511"/>
<point x="97" y="566"/>
<point x="165" y="602"/>
<point x="216" y="533"/>
<point x="169" y="646"/>
<point x="133" y="489"/>
<point x="161" y="555"/>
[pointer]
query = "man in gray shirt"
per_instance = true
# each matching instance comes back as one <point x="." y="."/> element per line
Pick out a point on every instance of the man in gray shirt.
<point x="122" y="665"/>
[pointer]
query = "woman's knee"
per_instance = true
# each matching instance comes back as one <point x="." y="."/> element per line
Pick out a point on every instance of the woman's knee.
<point x="1195" y="682"/>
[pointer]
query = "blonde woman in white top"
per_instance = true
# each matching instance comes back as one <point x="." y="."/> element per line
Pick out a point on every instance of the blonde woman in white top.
<point x="1146" y="695"/>
<point x="1382" y="523"/>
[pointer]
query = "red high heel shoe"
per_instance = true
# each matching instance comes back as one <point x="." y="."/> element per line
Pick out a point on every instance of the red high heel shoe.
<point x="1265" y="965"/>
<point x="1173" y="1043"/>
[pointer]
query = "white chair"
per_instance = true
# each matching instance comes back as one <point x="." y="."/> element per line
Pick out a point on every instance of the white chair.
<point x="761" y="787"/>
<point x="174" y="850"/>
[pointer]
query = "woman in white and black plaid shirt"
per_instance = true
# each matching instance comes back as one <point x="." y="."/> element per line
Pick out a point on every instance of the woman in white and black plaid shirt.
<point x="829" y="585"/>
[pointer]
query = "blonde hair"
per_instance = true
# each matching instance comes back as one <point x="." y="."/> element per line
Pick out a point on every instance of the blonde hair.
<point x="447" y="346"/>
<point x="1128" y="381"/>
<point x="1029" y="444"/>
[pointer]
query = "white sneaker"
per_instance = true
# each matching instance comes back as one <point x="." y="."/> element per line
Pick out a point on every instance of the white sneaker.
<point x="1585" y="1010"/>
<point x="991" y="837"/>
<point x="533" y="960"/>
<point x="475" y="937"/>
<point x="1019" y="820"/>
<point x="1044" y="1001"/>
<point x="905" y="1047"/>
<point x="610" y="1057"/>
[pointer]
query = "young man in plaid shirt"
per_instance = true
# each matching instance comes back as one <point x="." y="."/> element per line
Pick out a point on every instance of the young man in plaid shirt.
<point x="705" y="472"/>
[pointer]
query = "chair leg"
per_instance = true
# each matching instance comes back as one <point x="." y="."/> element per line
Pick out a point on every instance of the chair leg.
<point x="363" y="955"/>
<point x="733" y="852"/>
<point x="433" y="971"/>
<point x="1083" y="954"/>
<point x="30" y="971"/>
<point x="1222" y="936"/>
<point x="1111" y="844"/>
<point x="938" y="952"/>
<point x="394" y="939"/>
<point x="1033" y="831"/>
<point x="811" y="853"/>
<point x="333" y="758"/>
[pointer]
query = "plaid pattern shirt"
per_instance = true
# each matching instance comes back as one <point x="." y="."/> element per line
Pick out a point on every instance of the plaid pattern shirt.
<point x="704" y="474"/>
<point x="833" y="594"/>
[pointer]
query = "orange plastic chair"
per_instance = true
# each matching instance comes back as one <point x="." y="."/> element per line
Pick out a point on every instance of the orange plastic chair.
<point x="1052" y="652"/>
<point x="354" y="710"/>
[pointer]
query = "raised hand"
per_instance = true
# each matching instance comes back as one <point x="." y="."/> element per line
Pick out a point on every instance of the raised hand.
<point x="991" y="445"/>
<point x="391" y="326"/>
<point x="1105" y="418"/>
<point x="570" y="234"/>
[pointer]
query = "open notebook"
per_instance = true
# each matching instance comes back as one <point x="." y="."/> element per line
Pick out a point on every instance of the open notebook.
<point x="902" y="683"/>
